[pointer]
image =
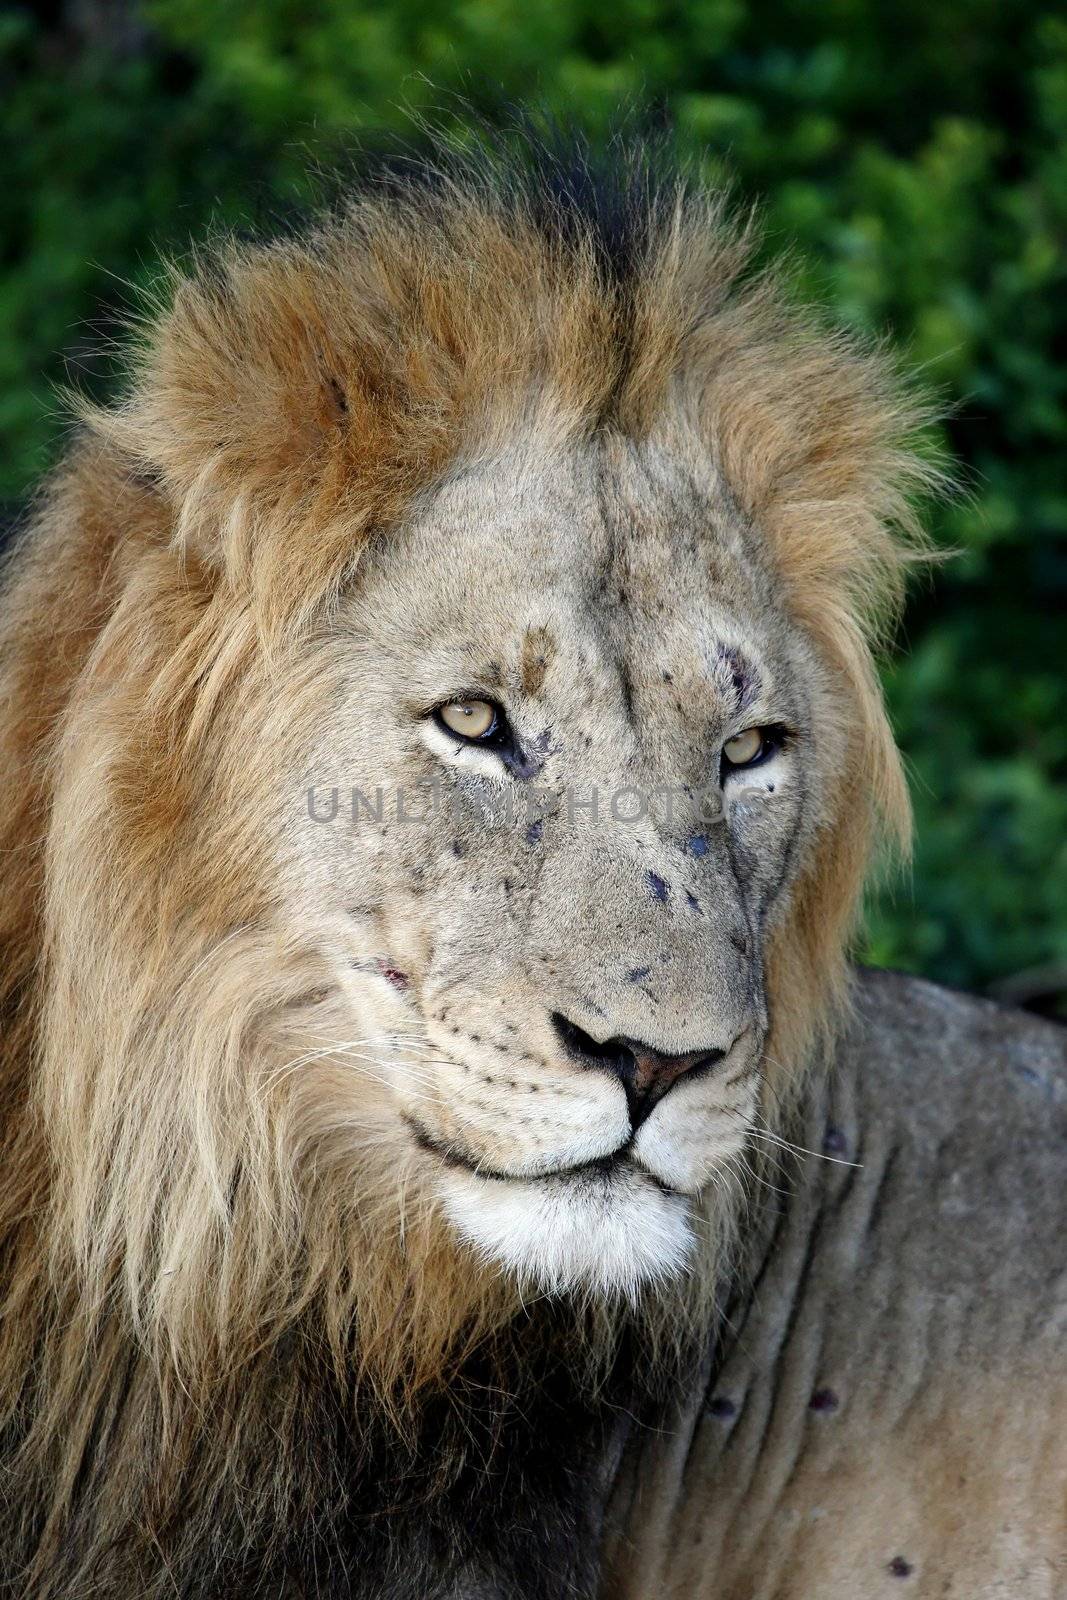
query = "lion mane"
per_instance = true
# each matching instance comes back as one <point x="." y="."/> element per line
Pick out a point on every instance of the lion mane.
<point x="207" y="1351"/>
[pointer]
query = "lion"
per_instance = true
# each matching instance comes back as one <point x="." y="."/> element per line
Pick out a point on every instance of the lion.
<point x="447" y="1151"/>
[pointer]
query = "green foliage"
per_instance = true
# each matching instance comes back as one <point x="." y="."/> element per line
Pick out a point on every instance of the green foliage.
<point x="914" y="158"/>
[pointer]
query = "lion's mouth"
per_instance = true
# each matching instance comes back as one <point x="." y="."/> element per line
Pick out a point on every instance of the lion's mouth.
<point x="602" y="1167"/>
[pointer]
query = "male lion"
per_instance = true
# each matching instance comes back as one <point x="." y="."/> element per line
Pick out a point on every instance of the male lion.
<point x="489" y="1183"/>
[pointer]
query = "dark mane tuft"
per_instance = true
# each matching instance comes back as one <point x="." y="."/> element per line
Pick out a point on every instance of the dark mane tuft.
<point x="610" y="196"/>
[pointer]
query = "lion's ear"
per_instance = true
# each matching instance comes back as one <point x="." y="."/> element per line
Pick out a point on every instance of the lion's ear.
<point x="270" y="414"/>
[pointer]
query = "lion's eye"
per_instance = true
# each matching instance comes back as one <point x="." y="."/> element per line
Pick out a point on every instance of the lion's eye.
<point x="745" y="749"/>
<point x="471" y="719"/>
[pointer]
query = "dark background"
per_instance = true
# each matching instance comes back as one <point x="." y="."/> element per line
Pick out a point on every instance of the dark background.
<point x="911" y="153"/>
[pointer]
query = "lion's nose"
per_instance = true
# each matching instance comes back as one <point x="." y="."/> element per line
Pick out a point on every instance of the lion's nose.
<point x="645" y="1073"/>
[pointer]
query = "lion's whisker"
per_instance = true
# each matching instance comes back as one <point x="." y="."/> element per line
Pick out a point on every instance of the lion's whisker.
<point x="800" y="1149"/>
<point x="340" y="1047"/>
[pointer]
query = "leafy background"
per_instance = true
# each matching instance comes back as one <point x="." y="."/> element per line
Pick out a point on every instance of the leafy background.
<point x="912" y="155"/>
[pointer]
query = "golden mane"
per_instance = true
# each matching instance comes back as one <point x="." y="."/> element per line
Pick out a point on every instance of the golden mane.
<point x="287" y="401"/>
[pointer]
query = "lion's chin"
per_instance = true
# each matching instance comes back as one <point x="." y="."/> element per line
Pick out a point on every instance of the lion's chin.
<point x="609" y="1233"/>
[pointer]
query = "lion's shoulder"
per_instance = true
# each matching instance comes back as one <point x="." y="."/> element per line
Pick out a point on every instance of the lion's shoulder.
<point x="959" y="1051"/>
<point x="955" y="1108"/>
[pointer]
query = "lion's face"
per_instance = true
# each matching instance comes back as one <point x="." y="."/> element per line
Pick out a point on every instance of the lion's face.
<point x="524" y="512"/>
<point x="557" y="1005"/>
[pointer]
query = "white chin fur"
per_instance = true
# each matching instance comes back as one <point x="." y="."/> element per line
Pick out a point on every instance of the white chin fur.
<point x="608" y="1234"/>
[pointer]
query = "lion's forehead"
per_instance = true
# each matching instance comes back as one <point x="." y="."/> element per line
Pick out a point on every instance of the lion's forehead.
<point x="547" y="575"/>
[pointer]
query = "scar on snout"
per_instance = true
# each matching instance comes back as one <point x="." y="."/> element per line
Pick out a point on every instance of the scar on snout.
<point x="393" y="975"/>
<point x="900" y="1568"/>
<point x="824" y="1400"/>
<point x="635" y="974"/>
<point x="834" y="1142"/>
<point x="657" y="885"/>
<point x="723" y="1407"/>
